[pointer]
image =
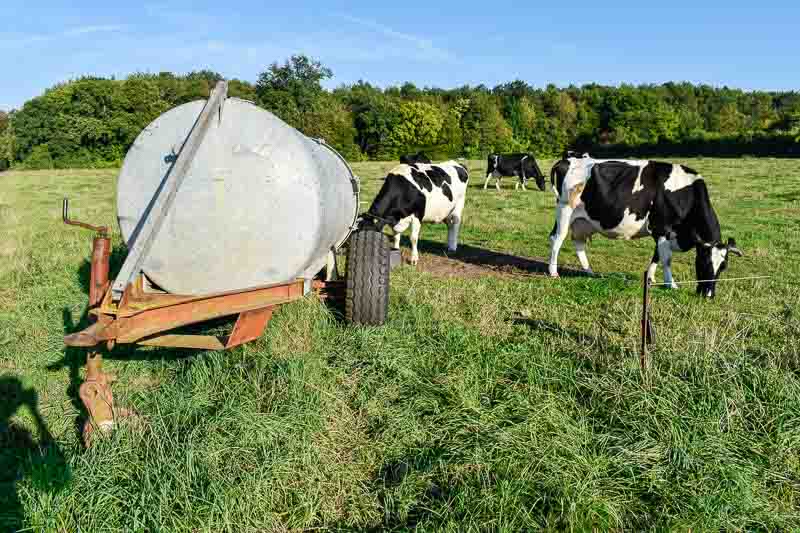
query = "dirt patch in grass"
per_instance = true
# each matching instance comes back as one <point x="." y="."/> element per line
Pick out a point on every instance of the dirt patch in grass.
<point x="471" y="262"/>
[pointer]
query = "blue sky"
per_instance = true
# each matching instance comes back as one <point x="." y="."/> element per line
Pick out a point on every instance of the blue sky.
<point x="752" y="45"/>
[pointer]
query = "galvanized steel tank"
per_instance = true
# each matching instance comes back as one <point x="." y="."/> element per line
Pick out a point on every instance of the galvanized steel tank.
<point x="261" y="203"/>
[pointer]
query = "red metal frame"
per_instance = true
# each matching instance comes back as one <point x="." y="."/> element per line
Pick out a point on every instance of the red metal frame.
<point x="144" y="318"/>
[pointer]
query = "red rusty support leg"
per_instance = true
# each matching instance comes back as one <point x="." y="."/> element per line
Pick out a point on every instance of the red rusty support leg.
<point x="249" y="326"/>
<point x="101" y="252"/>
<point x="95" y="391"/>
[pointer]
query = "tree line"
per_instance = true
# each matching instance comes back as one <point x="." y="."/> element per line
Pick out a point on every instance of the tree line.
<point x="91" y="122"/>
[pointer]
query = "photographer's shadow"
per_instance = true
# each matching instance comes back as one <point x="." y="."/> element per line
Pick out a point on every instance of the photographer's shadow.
<point x="24" y="458"/>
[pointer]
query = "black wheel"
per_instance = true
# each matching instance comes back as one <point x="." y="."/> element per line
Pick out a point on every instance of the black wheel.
<point x="367" y="301"/>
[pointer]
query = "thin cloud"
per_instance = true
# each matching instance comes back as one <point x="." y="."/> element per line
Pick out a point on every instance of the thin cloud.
<point x="420" y="43"/>
<point x="83" y="30"/>
<point x="23" y="40"/>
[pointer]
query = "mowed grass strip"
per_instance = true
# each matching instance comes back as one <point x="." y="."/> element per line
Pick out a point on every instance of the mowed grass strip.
<point x="499" y="402"/>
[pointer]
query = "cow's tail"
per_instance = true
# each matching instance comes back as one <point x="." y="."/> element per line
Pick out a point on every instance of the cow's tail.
<point x="553" y="180"/>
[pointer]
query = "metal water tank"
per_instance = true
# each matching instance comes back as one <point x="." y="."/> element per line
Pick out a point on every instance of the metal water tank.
<point x="261" y="203"/>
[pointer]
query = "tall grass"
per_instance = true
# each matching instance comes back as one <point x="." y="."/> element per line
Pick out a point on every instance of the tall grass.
<point x="505" y="402"/>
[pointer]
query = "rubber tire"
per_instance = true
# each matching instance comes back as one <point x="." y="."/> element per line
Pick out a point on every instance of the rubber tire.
<point x="367" y="298"/>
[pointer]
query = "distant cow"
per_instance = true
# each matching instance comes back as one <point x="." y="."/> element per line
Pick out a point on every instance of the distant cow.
<point x="522" y="165"/>
<point x="410" y="159"/>
<point x="568" y="154"/>
<point x="633" y="199"/>
<point x="412" y="194"/>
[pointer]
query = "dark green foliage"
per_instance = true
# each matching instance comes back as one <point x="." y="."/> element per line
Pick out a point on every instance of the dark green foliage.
<point x="7" y="141"/>
<point x="91" y="122"/>
<point x="293" y="91"/>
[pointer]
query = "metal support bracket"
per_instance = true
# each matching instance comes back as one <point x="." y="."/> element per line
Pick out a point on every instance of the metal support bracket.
<point x="153" y="217"/>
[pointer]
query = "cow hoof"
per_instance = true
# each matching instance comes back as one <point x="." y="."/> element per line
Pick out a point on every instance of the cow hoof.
<point x="588" y="271"/>
<point x="414" y="261"/>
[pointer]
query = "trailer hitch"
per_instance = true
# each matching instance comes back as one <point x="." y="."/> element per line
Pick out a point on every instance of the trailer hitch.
<point x="95" y="391"/>
<point x="102" y="231"/>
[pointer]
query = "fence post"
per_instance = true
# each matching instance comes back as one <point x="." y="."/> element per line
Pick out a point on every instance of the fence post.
<point x="645" y="323"/>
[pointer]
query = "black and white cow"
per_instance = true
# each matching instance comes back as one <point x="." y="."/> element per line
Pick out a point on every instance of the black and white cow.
<point x="573" y="153"/>
<point x="412" y="194"/>
<point x="410" y="159"/>
<point x="633" y="199"/>
<point x="522" y="165"/>
<point x="559" y="170"/>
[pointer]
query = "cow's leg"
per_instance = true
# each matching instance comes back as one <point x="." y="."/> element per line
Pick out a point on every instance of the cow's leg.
<point x="665" y="254"/>
<point x="651" y="270"/>
<point x="454" y="225"/>
<point x="493" y="174"/>
<point x="415" y="227"/>
<point x="563" y="218"/>
<point x="581" y="231"/>
<point x="398" y="229"/>
<point x="580" y="250"/>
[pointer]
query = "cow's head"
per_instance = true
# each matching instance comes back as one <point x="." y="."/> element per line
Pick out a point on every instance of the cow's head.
<point x="540" y="181"/>
<point x="710" y="262"/>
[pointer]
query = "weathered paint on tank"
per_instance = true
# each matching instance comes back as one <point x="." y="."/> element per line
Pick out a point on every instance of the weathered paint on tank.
<point x="261" y="204"/>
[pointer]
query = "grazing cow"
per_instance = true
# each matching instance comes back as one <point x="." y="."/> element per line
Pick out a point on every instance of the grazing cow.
<point x="522" y="165"/>
<point x="633" y="199"/>
<point x="410" y="159"/>
<point x="412" y="194"/>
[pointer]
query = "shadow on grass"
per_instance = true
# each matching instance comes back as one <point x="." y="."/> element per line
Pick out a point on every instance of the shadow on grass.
<point x="477" y="256"/>
<point x="22" y="457"/>
<point x="790" y="196"/>
<point x="592" y="353"/>
<point x="391" y="475"/>
<point x="543" y="326"/>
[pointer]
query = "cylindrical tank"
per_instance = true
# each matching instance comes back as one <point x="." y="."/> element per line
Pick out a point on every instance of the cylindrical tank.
<point x="261" y="203"/>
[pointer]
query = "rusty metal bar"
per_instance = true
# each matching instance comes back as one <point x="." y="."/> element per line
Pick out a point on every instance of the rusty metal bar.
<point x="153" y="217"/>
<point x="147" y="323"/>
<point x="249" y="326"/>
<point x="142" y="318"/>
<point x="98" y="284"/>
<point x="101" y="230"/>
<point x="198" y="342"/>
<point x="135" y="301"/>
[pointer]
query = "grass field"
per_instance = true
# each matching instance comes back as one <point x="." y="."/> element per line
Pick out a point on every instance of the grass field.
<point x="494" y="399"/>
